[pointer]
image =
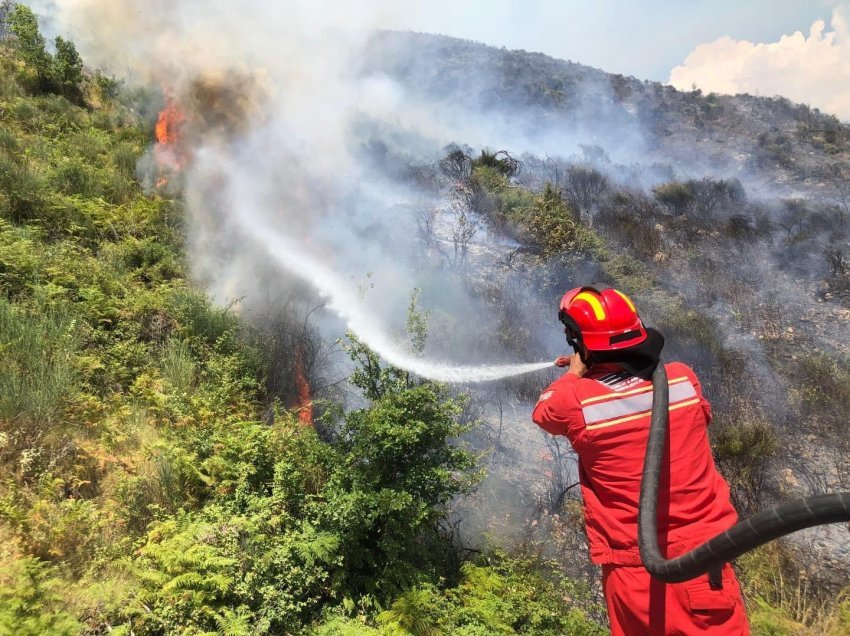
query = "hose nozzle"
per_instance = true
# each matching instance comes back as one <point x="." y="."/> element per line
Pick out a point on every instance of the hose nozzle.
<point x="562" y="361"/>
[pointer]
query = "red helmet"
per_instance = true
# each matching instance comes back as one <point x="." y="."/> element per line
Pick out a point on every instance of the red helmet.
<point x="601" y="317"/>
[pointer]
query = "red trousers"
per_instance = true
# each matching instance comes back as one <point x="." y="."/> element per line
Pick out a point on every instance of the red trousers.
<point x="639" y="605"/>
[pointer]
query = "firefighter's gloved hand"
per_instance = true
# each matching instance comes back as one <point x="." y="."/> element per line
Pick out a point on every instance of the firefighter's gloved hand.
<point x="562" y="361"/>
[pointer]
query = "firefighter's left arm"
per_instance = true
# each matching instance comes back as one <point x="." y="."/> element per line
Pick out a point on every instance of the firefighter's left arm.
<point x="703" y="402"/>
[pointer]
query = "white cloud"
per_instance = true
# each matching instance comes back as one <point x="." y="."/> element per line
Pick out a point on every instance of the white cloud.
<point x="813" y="69"/>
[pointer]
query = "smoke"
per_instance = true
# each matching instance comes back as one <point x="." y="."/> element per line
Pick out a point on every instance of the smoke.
<point x="811" y="69"/>
<point x="282" y="106"/>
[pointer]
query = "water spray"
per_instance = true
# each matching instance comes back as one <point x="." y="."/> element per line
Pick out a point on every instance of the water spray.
<point x="350" y="308"/>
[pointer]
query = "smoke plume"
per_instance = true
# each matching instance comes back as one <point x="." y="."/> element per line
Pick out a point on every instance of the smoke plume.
<point x="281" y="114"/>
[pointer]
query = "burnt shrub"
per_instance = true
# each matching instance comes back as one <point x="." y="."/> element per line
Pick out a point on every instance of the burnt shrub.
<point x="629" y="220"/>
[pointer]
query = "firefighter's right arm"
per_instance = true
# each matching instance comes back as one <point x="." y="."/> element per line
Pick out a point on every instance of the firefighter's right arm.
<point x="558" y="410"/>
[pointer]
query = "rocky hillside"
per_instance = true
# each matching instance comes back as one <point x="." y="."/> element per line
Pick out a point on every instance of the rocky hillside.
<point x="785" y="146"/>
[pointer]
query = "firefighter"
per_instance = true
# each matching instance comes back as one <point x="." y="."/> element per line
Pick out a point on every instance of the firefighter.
<point x="602" y="404"/>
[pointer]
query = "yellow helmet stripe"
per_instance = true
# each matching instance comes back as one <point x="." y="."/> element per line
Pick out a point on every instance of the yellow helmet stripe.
<point x="594" y="303"/>
<point x="626" y="298"/>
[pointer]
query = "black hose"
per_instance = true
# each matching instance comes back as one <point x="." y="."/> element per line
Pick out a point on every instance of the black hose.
<point x="744" y="536"/>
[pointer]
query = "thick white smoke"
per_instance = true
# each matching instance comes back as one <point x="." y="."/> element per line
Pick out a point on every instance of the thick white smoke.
<point x="279" y="189"/>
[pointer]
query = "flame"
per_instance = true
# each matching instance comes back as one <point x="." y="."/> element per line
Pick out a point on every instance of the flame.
<point x="305" y="400"/>
<point x="169" y="122"/>
<point x="169" y="151"/>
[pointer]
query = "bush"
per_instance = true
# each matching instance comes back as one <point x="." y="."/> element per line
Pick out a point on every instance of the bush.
<point x="824" y="389"/>
<point x="502" y="597"/>
<point x="31" y="600"/>
<point x="25" y="192"/>
<point x="781" y="598"/>
<point x="678" y="197"/>
<point x="553" y="227"/>
<point x="629" y="220"/>
<point x="74" y="176"/>
<point x="743" y="446"/>
<point x="38" y="374"/>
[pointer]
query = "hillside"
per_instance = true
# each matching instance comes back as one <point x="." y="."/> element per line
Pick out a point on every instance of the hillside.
<point x="152" y="480"/>
<point x="170" y="465"/>
<point x="785" y="148"/>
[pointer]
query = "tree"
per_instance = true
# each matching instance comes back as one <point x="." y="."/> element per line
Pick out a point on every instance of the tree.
<point x="553" y="226"/>
<point x="398" y="469"/>
<point x="29" y="44"/>
<point x="67" y="69"/>
<point x="61" y="73"/>
<point x="6" y="9"/>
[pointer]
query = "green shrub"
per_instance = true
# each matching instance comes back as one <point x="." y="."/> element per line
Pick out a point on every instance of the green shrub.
<point x="24" y="190"/>
<point x="178" y="366"/>
<point x="782" y="600"/>
<point x="199" y="319"/>
<point x="675" y="195"/>
<point x="31" y="600"/>
<point x="502" y="597"/>
<point x="38" y="374"/>
<point x="552" y="226"/>
<point x="8" y="142"/>
<point x="21" y="256"/>
<point x="75" y="176"/>
<point x="743" y="446"/>
<point x="124" y="157"/>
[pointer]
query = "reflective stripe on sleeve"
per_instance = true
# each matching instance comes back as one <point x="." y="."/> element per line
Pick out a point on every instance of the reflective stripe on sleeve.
<point x="545" y="396"/>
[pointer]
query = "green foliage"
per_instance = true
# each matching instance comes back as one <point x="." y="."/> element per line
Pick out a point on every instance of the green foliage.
<point x="31" y="600"/>
<point x="417" y="324"/>
<point x="67" y="71"/>
<point x="552" y="225"/>
<point x="501" y="162"/>
<point x="372" y="378"/>
<point x="677" y="196"/>
<point x="61" y="73"/>
<point x="683" y="325"/>
<point x="397" y="471"/>
<point x="743" y="447"/>
<point x="503" y="596"/>
<point x="29" y="44"/>
<point x="544" y="219"/>
<point x="38" y="374"/>
<point x="292" y="523"/>
<point x="781" y="599"/>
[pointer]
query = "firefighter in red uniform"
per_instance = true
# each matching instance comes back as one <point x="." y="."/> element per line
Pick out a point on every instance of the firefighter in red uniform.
<point x="602" y="404"/>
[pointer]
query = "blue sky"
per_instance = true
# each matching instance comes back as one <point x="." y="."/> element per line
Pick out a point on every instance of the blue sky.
<point x="644" y="39"/>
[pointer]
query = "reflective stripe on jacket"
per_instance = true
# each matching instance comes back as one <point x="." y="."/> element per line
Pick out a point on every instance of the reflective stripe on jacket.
<point x="605" y="415"/>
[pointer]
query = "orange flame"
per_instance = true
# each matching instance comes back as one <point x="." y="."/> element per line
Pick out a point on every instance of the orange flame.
<point x="305" y="400"/>
<point x="169" y="122"/>
<point x="168" y="150"/>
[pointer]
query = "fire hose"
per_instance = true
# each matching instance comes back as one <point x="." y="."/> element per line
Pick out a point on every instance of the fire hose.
<point x="744" y="536"/>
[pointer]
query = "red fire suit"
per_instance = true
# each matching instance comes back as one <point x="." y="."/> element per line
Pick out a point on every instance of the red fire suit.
<point x="605" y="415"/>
